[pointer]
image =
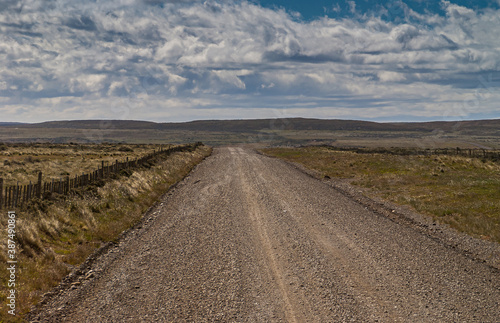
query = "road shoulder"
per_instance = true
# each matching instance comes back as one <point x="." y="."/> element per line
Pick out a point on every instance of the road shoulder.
<point x="479" y="250"/>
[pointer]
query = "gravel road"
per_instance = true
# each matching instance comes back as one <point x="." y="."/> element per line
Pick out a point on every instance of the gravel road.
<point x="247" y="238"/>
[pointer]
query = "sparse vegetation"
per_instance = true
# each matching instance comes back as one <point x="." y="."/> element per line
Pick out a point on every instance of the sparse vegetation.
<point x="57" y="234"/>
<point x="462" y="192"/>
<point x="23" y="162"/>
<point x="284" y="131"/>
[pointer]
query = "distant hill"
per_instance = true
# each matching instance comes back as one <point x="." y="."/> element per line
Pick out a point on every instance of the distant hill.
<point x="290" y="131"/>
<point x="240" y="126"/>
<point x="11" y="123"/>
<point x="95" y="124"/>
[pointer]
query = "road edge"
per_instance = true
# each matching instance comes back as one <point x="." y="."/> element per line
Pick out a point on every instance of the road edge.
<point x="84" y="272"/>
<point x="482" y="251"/>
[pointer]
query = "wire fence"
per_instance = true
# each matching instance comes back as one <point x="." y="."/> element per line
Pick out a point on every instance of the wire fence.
<point x="15" y="196"/>
<point x="486" y="154"/>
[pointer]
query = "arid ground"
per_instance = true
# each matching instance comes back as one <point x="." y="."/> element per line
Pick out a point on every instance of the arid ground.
<point x="248" y="238"/>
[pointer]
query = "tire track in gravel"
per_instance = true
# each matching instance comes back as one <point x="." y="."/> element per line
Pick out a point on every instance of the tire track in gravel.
<point x="256" y="216"/>
<point x="247" y="238"/>
<point x="331" y="244"/>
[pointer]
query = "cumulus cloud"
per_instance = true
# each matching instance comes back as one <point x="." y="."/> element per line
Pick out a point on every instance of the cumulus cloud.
<point x="80" y="59"/>
<point x="352" y="6"/>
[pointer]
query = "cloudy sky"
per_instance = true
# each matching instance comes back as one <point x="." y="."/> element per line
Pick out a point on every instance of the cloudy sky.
<point x="181" y="60"/>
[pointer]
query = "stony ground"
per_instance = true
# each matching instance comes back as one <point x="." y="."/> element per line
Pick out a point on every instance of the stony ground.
<point x="247" y="238"/>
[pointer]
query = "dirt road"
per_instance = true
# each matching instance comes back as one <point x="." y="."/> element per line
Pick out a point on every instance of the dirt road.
<point x="248" y="238"/>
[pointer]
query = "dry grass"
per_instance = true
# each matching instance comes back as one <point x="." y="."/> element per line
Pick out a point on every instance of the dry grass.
<point x="54" y="236"/>
<point x="23" y="162"/>
<point x="462" y="192"/>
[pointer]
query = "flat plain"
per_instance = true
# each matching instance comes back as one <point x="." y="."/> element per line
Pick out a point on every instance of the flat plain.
<point x="264" y="132"/>
<point x="248" y="238"/>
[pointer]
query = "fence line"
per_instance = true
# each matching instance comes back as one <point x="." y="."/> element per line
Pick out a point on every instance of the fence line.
<point x="15" y="196"/>
<point x="493" y="155"/>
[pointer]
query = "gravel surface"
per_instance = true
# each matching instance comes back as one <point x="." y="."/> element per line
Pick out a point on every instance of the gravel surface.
<point x="247" y="238"/>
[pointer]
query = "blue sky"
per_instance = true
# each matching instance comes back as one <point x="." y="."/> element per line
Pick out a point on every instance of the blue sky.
<point x="310" y="10"/>
<point x="181" y="60"/>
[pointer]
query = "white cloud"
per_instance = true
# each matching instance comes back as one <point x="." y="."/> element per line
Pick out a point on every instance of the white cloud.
<point x="386" y="76"/>
<point x="458" y="12"/>
<point x="232" y="77"/>
<point x="352" y="6"/>
<point x="218" y="55"/>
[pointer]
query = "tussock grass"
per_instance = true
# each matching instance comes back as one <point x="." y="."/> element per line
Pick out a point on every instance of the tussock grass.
<point x="22" y="162"/>
<point x="462" y="192"/>
<point x="56" y="235"/>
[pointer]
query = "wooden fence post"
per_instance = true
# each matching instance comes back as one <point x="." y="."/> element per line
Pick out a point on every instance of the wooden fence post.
<point x="16" y="193"/>
<point x="11" y="196"/>
<point x="39" y="188"/>
<point x="19" y="195"/>
<point x="30" y="191"/>
<point x="24" y="194"/>
<point x="1" y="192"/>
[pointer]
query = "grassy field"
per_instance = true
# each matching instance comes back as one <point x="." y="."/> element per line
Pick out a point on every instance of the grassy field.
<point x="129" y="136"/>
<point x="462" y="192"/>
<point x="22" y="162"/>
<point x="55" y="235"/>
